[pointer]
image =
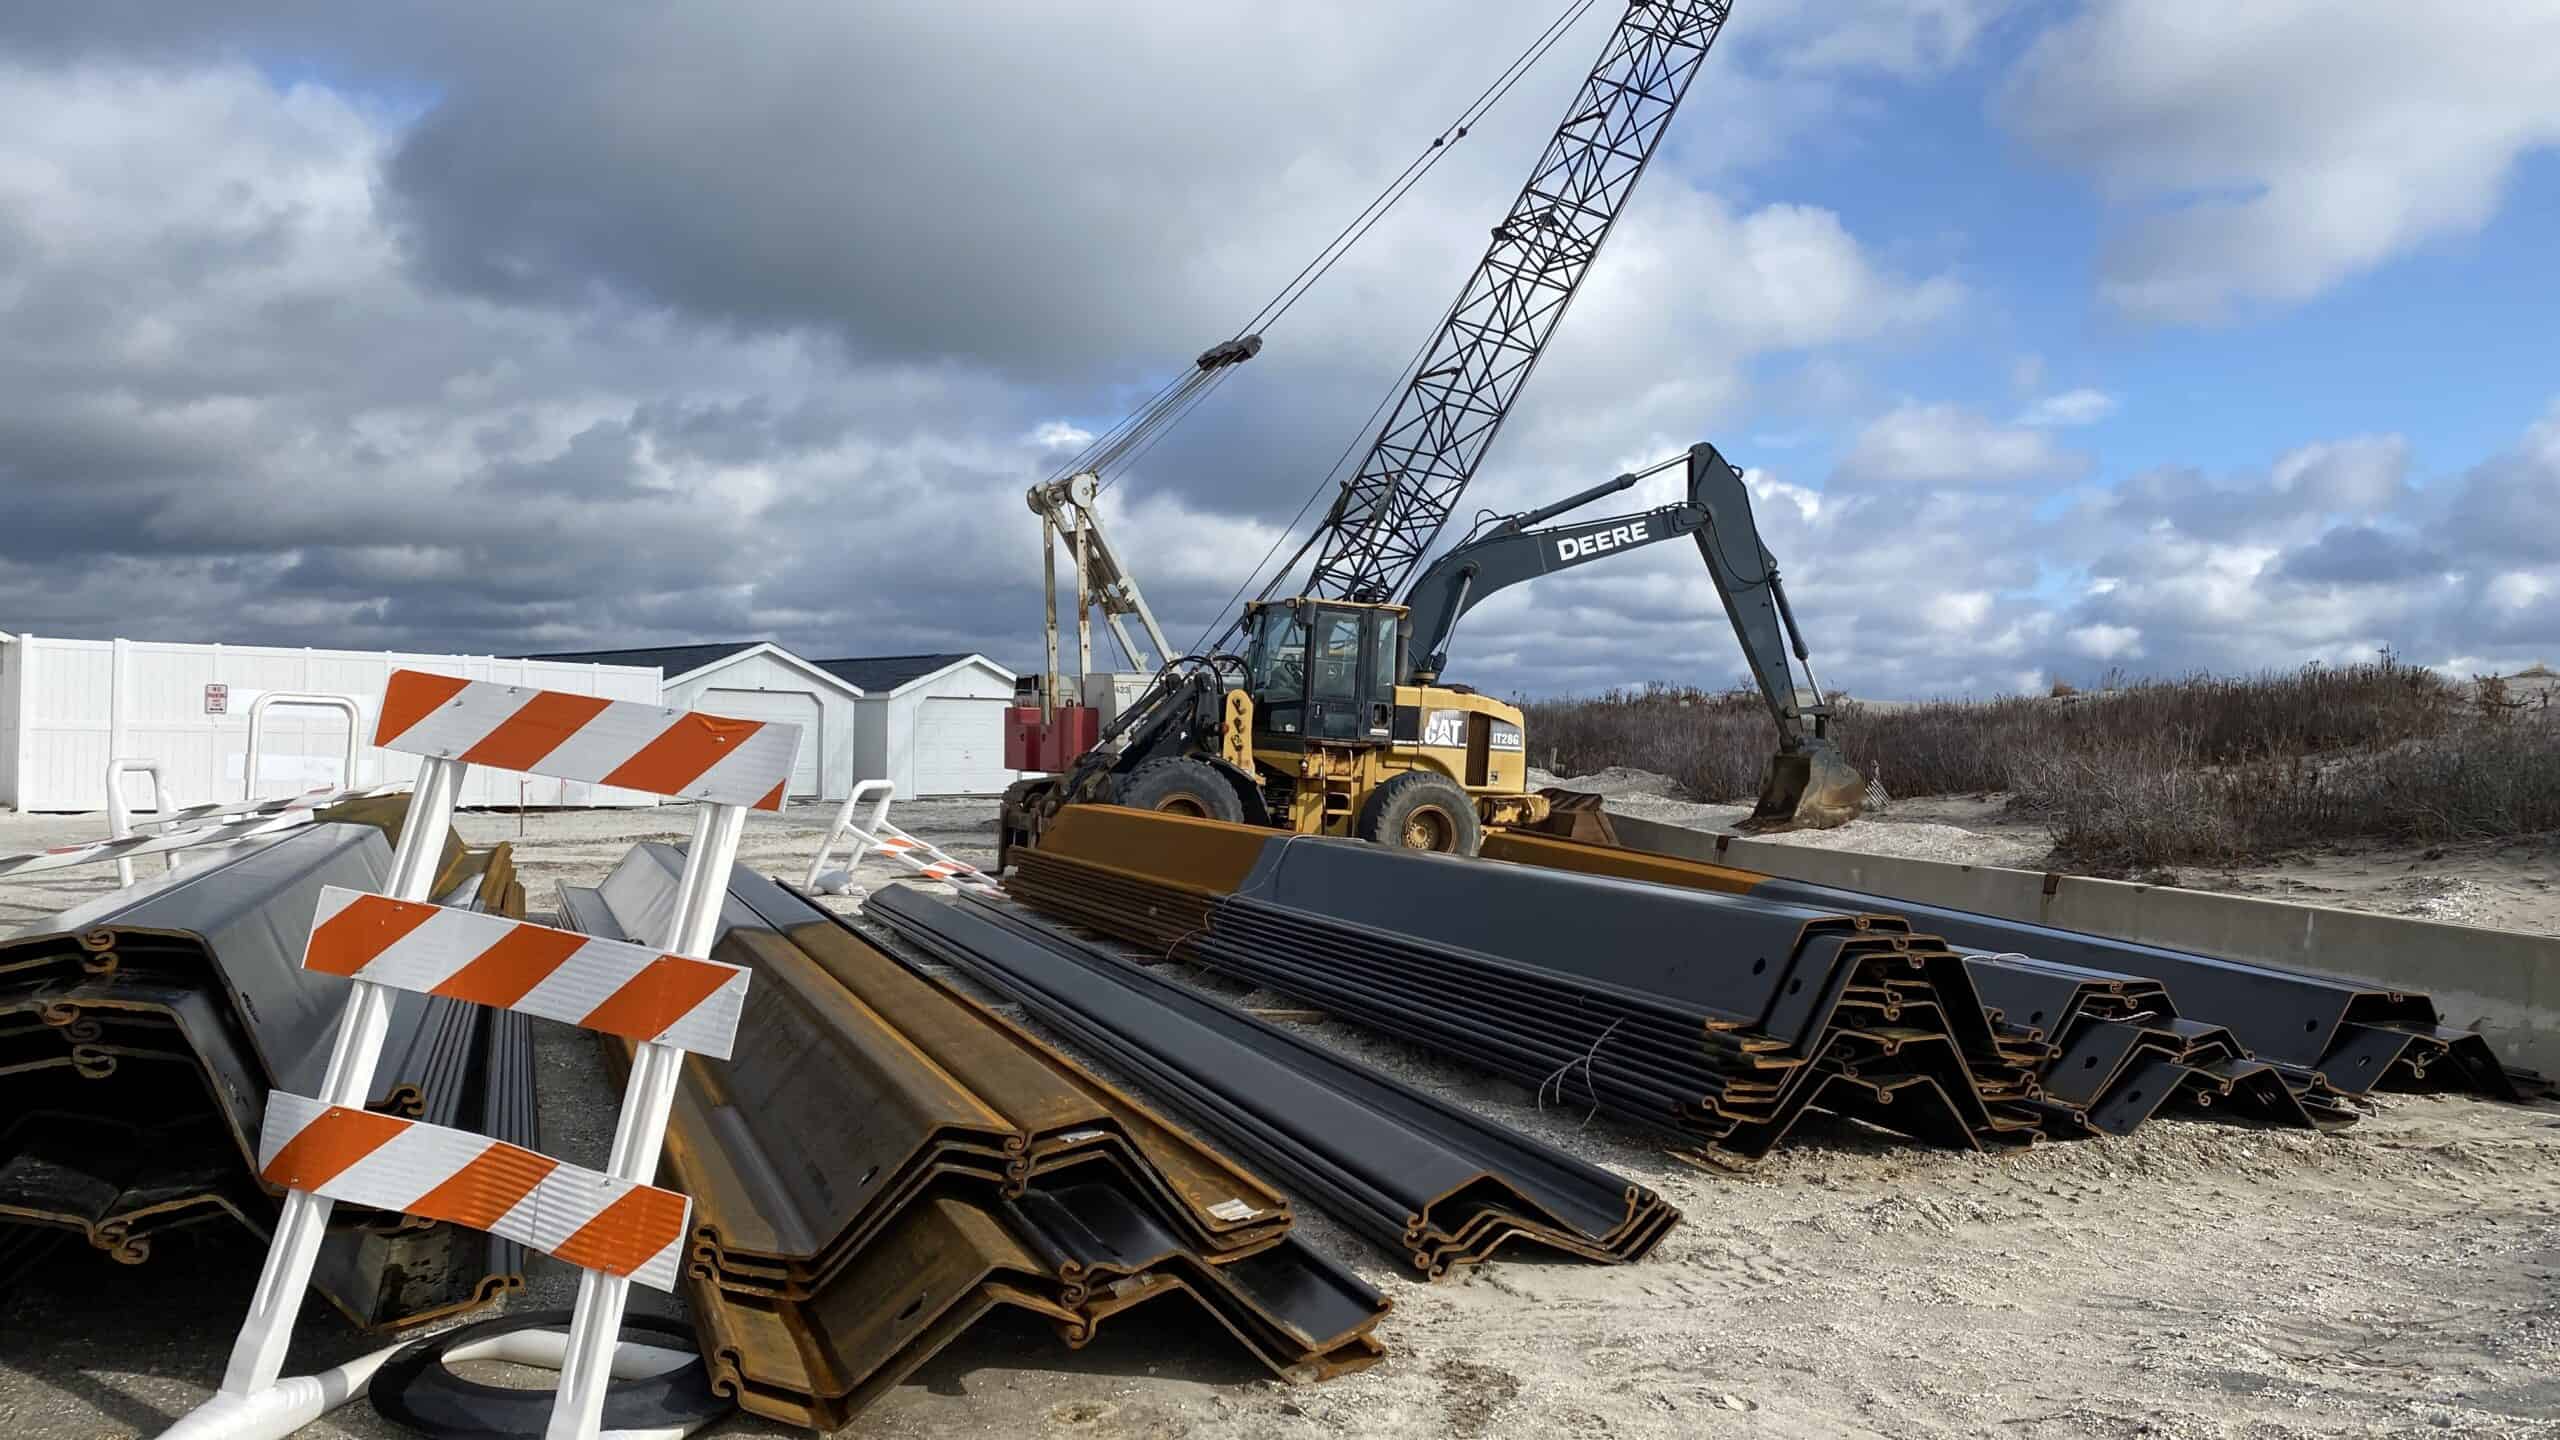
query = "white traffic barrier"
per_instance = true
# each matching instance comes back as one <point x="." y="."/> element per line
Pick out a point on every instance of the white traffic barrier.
<point x="615" y="1225"/>
<point x="120" y="816"/>
<point x="346" y="705"/>
<point x="874" y="835"/>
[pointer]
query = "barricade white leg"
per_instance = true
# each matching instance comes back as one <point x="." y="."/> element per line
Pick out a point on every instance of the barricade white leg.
<point x="648" y="1099"/>
<point x="252" y="1404"/>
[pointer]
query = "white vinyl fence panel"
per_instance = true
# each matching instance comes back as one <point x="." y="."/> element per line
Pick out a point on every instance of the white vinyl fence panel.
<point x="68" y="706"/>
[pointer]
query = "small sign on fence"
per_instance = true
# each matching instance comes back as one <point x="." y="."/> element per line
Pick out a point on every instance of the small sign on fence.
<point x="217" y="699"/>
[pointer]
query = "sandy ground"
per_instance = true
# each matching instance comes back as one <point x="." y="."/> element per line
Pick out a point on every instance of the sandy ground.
<point x="2199" y="1280"/>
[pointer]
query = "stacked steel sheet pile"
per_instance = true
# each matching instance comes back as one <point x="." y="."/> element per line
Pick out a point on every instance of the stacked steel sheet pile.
<point x="141" y="1033"/>
<point x="1722" y="1018"/>
<point x="2138" y="1025"/>
<point x="884" y="1161"/>
<point x="1435" y="1184"/>
<point x="2122" y="1052"/>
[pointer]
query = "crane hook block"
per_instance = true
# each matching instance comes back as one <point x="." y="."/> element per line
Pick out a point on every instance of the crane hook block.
<point x="1231" y="352"/>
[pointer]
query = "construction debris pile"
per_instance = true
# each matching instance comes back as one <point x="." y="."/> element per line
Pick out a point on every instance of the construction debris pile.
<point x="141" y="1034"/>
<point x="885" y="1161"/>
<point x="1723" y="1008"/>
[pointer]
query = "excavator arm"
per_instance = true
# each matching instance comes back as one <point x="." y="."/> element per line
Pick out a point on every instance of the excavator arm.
<point x="1810" y="784"/>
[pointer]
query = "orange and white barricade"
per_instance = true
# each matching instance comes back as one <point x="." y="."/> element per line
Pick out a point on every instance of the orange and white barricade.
<point x="614" y="1224"/>
<point x="874" y="835"/>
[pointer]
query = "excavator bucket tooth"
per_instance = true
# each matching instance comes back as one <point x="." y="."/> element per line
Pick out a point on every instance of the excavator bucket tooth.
<point x="1813" y="790"/>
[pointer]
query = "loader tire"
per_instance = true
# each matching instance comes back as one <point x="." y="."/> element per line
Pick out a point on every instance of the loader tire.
<point x="1420" y="810"/>
<point x="1181" y="787"/>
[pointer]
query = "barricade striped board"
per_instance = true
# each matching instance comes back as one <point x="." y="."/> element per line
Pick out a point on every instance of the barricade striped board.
<point x="621" y="989"/>
<point x="682" y="754"/>
<point x="591" y="1220"/>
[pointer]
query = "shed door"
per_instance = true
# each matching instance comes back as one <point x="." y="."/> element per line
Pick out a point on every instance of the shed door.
<point x="959" y="746"/>
<point x="792" y="707"/>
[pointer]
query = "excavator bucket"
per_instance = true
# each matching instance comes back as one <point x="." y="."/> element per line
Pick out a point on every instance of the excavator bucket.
<point x="1814" y="789"/>
<point x="1574" y="815"/>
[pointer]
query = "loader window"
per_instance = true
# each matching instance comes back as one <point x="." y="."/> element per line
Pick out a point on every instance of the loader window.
<point x="1334" y="709"/>
<point x="1279" y="669"/>
<point x="1382" y="656"/>
<point x="1336" y="656"/>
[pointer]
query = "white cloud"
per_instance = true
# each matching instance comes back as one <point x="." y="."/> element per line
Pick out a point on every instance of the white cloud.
<point x="2360" y="476"/>
<point x="2265" y="151"/>
<point x="2071" y="407"/>
<point x="2516" y="590"/>
<point x="1949" y="446"/>
<point x="1908" y="38"/>
<point x="1958" y="610"/>
<point x="1059" y="435"/>
<point x="2107" y="642"/>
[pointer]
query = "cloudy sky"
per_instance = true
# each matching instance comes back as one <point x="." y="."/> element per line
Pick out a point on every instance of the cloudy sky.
<point x="2057" y="337"/>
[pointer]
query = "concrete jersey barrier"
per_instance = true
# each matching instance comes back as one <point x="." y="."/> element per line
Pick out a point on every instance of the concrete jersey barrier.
<point x="2501" y="983"/>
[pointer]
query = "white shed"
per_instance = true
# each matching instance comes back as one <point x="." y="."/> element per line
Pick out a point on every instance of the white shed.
<point x="759" y="680"/>
<point x="69" y="706"/>
<point x="934" y="724"/>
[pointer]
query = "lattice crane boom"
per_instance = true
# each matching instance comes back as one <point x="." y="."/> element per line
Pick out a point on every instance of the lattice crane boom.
<point x="1390" y="509"/>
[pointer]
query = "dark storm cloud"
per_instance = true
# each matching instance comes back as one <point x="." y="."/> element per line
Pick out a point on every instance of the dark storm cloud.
<point x="2362" y="554"/>
<point x="2509" y="508"/>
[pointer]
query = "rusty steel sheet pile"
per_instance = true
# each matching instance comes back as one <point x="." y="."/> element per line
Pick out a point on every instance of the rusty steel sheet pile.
<point x="884" y="1161"/>
<point x="1720" y="1018"/>
<point x="1433" y="1184"/>
<point x="141" y="1033"/>
<point x="2138" y="1025"/>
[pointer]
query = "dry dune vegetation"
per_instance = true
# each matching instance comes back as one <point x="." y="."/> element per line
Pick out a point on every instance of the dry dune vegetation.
<point x="2201" y="770"/>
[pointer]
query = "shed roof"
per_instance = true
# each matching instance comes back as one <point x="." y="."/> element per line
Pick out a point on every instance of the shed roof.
<point x="671" y="660"/>
<point x="880" y="674"/>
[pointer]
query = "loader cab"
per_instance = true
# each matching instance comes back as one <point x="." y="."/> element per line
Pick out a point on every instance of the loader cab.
<point x="1324" y="670"/>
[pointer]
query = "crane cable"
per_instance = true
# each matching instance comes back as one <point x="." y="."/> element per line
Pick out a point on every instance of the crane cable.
<point x="1118" y="449"/>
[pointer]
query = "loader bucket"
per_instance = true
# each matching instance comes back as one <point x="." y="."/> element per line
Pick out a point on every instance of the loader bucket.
<point x="1814" y="789"/>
